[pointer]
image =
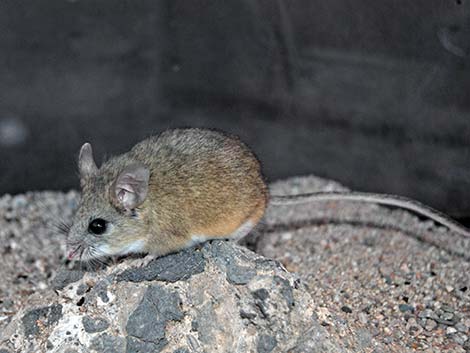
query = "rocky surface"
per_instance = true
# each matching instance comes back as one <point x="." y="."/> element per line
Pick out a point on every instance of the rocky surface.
<point x="220" y="298"/>
<point x="367" y="279"/>
<point x="32" y="247"/>
<point x="383" y="280"/>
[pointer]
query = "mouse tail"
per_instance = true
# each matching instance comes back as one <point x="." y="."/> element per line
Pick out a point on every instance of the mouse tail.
<point x="380" y="199"/>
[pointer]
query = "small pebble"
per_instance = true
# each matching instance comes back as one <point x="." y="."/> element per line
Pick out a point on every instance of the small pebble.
<point x="428" y="314"/>
<point x="460" y="339"/>
<point x="430" y="325"/>
<point x="405" y="307"/>
<point x="447" y="316"/>
<point x="447" y="308"/>
<point x="362" y="318"/>
<point x="413" y="327"/>
<point x="346" y="309"/>
<point x="451" y="330"/>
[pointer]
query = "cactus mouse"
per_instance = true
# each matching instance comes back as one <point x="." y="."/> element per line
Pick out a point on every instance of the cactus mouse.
<point x="180" y="188"/>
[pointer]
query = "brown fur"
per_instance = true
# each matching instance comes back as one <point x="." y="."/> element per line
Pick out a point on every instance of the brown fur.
<point x="202" y="182"/>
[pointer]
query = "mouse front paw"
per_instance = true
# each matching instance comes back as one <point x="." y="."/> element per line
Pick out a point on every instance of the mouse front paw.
<point x="142" y="262"/>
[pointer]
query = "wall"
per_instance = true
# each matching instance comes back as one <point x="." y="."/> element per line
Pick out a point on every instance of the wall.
<point x="374" y="94"/>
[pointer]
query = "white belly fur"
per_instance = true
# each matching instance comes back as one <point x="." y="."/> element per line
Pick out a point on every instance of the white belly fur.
<point x="241" y="232"/>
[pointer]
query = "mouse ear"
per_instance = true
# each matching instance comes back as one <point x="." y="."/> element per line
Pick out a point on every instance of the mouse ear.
<point x="86" y="163"/>
<point x="131" y="186"/>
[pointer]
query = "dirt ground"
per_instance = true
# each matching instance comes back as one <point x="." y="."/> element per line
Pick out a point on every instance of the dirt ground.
<point x="382" y="280"/>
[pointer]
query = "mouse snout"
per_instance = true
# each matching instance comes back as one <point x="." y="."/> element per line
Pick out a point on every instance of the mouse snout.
<point x="71" y="254"/>
<point x="74" y="249"/>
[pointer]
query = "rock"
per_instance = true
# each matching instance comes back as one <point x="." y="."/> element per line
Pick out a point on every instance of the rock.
<point x="92" y="325"/>
<point x="146" y="325"/>
<point x="45" y="316"/>
<point x="447" y="308"/>
<point x="428" y="314"/>
<point x="363" y="318"/>
<point x="106" y="343"/>
<point x="266" y="344"/>
<point x="239" y="274"/>
<point x="450" y="330"/>
<point x="101" y="290"/>
<point x="404" y="308"/>
<point x="181" y="350"/>
<point x="64" y="278"/>
<point x="82" y="288"/>
<point x="174" y="267"/>
<point x="221" y="298"/>
<point x="430" y="325"/>
<point x="460" y="339"/>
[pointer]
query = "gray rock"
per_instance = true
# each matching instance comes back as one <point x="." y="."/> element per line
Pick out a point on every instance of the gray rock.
<point x="460" y="339"/>
<point x="261" y="296"/>
<point x="170" y="268"/>
<point x="446" y="322"/>
<point x="65" y="277"/>
<point x="430" y="325"/>
<point x="428" y="314"/>
<point x="240" y="274"/>
<point x="106" y="343"/>
<point x="48" y="315"/>
<point x="247" y="315"/>
<point x="236" y="273"/>
<point x="266" y="344"/>
<point x="447" y="308"/>
<point x="138" y="346"/>
<point x="188" y="303"/>
<point x="447" y="316"/>
<point x="81" y="289"/>
<point x="146" y="325"/>
<point x="49" y="345"/>
<point x="101" y="290"/>
<point x="404" y="308"/>
<point x="92" y="325"/>
<point x="181" y="350"/>
<point x="285" y="289"/>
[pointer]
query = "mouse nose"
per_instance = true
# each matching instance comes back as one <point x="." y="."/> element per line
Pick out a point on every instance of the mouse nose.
<point x="73" y="252"/>
<point x="71" y="255"/>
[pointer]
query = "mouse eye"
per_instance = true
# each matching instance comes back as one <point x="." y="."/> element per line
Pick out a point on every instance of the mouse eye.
<point x="97" y="226"/>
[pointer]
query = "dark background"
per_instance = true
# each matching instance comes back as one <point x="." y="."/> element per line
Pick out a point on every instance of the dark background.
<point x="375" y="94"/>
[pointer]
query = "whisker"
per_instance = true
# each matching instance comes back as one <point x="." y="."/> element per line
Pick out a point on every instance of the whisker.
<point x="98" y="256"/>
<point x="58" y="223"/>
<point x="91" y="265"/>
<point x="85" y="263"/>
<point x="63" y="227"/>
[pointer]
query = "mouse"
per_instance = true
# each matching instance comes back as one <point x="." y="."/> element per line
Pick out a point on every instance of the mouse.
<point x="184" y="187"/>
<point x="169" y="192"/>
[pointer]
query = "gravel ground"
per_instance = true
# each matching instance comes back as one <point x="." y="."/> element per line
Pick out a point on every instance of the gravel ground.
<point x="377" y="280"/>
<point x="31" y="246"/>
<point x="382" y="280"/>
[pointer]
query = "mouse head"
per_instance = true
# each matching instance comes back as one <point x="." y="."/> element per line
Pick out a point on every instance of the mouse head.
<point x="108" y="221"/>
